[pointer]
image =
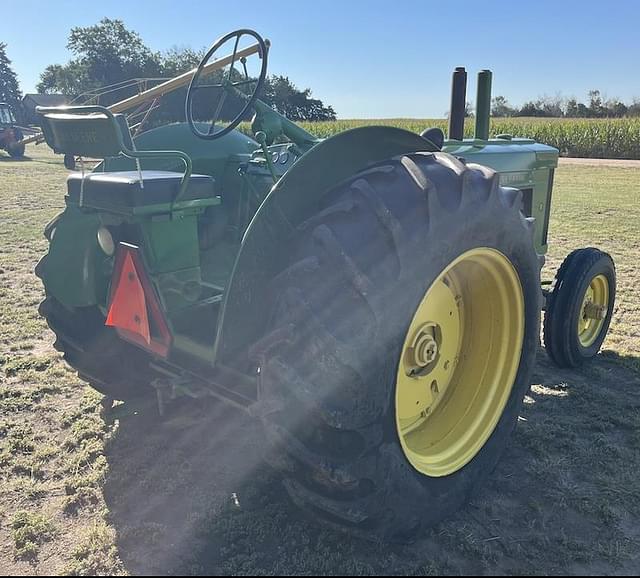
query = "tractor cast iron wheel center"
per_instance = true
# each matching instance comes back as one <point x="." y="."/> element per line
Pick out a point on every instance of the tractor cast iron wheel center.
<point x="593" y="311"/>
<point x="459" y="362"/>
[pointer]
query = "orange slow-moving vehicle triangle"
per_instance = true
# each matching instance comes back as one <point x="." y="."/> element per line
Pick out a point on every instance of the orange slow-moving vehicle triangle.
<point x="128" y="309"/>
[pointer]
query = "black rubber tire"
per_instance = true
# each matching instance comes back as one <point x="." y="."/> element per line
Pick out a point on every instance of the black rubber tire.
<point x="340" y="311"/>
<point x="113" y="367"/>
<point x="16" y="150"/>
<point x="564" y="302"/>
<point x="69" y="162"/>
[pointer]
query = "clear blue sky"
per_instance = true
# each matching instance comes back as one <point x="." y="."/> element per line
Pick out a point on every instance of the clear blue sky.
<point x="372" y="59"/>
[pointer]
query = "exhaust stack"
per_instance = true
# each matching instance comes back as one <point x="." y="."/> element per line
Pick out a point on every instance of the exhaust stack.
<point x="458" y="103"/>
<point x="483" y="105"/>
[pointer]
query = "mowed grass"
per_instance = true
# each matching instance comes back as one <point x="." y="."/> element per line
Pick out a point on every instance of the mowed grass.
<point x="81" y="494"/>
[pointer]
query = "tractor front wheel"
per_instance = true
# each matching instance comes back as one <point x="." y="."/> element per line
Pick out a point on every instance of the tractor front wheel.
<point x="402" y="338"/>
<point x="579" y="307"/>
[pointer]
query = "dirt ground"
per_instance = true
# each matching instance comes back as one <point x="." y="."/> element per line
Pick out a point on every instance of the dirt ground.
<point x="620" y="163"/>
<point x="81" y="493"/>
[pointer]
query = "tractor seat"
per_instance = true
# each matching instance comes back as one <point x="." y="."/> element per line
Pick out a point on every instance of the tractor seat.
<point x="130" y="189"/>
<point x="95" y="132"/>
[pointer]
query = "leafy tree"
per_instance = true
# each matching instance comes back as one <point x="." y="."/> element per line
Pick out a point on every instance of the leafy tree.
<point x="105" y="54"/>
<point x="583" y="111"/>
<point x="553" y="106"/>
<point x="531" y="108"/>
<point x="9" y="87"/>
<point x="177" y="61"/>
<point x="71" y="79"/>
<point x="617" y="109"/>
<point x="500" y="107"/>
<point x="545" y="106"/>
<point x="572" y="108"/>
<point x="596" y="109"/>
<point x="634" y="108"/>
<point x="295" y="104"/>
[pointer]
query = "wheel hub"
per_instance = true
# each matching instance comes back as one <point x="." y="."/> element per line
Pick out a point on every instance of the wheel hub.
<point x="424" y="350"/>
<point x="431" y="353"/>
<point x="593" y="311"/>
<point x="459" y="362"/>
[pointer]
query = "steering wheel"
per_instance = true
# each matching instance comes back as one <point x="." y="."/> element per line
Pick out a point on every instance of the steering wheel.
<point x="228" y="84"/>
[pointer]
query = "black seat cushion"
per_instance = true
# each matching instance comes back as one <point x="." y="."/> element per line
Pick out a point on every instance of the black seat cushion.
<point x="122" y="189"/>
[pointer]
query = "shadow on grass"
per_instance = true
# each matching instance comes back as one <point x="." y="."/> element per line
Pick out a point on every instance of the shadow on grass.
<point x="191" y="495"/>
<point x="5" y="158"/>
<point x="629" y="361"/>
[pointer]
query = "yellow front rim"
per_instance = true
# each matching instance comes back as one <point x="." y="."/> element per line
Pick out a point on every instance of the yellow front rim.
<point x="593" y="311"/>
<point x="459" y="362"/>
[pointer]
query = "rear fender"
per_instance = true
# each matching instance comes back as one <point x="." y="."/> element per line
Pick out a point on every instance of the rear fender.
<point x="293" y="199"/>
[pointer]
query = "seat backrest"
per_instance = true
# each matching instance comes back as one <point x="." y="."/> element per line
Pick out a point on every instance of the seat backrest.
<point x="87" y="131"/>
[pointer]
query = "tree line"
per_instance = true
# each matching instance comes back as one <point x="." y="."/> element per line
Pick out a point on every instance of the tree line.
<point x="559" y="107"/>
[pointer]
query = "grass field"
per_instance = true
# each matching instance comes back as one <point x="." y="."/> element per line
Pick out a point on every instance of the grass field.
<point x="82" y="495"/>
<point x="595" y="138"/>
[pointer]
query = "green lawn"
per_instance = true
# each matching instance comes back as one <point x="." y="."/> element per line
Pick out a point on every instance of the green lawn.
<point x="81" y="495"/>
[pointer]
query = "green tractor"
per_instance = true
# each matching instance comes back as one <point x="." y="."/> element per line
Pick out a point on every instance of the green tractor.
<point x="374" y="299"/>
<point x="10" y="134"/>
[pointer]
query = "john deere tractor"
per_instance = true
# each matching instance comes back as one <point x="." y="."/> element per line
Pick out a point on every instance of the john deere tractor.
<point x="374" y="299"/>
<point x="10" y="134"/>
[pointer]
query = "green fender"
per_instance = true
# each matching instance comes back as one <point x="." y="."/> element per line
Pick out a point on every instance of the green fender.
<point x="293" y="199"/>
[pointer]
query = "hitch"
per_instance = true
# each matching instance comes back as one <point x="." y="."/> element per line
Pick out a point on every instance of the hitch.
<point x="169" y="389"/>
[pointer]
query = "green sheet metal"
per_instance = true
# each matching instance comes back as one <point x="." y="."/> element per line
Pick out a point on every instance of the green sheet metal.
<point x="522" y="164"/>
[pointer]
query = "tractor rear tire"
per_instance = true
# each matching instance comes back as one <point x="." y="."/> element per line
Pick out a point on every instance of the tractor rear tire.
<point x="113" y="367"/>
<point x="328" y="363"/>
<point x="570" y="338"/>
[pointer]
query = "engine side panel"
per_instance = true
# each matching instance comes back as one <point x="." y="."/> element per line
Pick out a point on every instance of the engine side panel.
<point x="522" y="164"/>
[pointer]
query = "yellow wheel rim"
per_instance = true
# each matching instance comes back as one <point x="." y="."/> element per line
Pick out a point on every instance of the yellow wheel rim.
<point x="593" y="311"/>
<point x="459" y="362"/>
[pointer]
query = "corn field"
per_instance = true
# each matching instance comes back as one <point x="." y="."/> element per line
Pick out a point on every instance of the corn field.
<point x="592" y="138"/>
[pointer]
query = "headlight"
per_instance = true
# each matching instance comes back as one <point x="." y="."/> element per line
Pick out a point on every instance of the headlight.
<point x="105" y="240"/>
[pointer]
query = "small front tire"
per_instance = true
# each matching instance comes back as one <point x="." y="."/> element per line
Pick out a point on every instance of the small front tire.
<point x="579" y="307"/>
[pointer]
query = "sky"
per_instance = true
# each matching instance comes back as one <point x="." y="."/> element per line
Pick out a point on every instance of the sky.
<point x="372" y="59"/>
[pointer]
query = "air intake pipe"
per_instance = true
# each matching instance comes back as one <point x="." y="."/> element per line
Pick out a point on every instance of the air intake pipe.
<point x="483" y="105"/>
<point x="458" y="104"/>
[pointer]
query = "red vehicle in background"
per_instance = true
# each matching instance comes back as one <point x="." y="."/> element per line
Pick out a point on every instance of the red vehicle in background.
<point x="10" y="134"/>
